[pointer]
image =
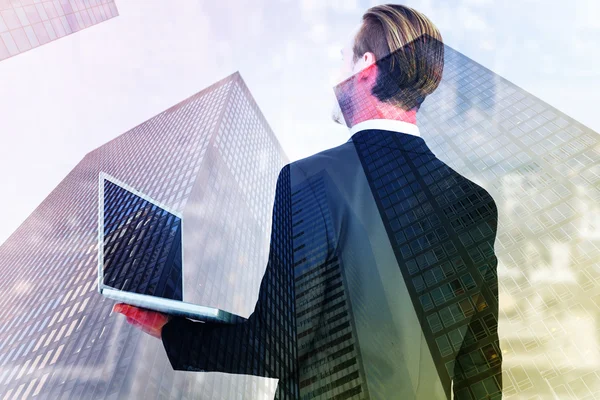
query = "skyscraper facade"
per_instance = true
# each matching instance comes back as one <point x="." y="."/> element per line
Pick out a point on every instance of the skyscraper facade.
<point x="441" y="228"/>
<point x="330" y="363"/>
<point x="542" y="169"/>
<point x="211" y="158"/>
<point x="26" y="24"/>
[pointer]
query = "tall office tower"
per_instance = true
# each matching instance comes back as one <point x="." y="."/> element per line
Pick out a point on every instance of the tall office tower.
<point x="441" y="228"/>
<point x="26" y="24"/>
<point x="543" y="170"/>
<point x="328" y="348"/>
<point x="212" y="159"/>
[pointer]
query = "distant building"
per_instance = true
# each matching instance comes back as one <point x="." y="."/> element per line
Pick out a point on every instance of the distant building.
<point x="28" y="24"/>
<point x="212" y="158"/>
<point x="542" y="169"/>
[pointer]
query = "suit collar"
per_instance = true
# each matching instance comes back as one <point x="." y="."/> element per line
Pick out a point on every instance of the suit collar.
<point x="386" y="125"/>
<point x="390" y="134"/>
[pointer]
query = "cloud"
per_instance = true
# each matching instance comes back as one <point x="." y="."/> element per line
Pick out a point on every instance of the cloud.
<point x="478" y="2"/>
<point x="318" y="33"/>
<point x="255" y="22"/>
<point x="470" y="20"/>
<point x="309" y="5"/>
<point x="276" y="62"/>
<point x="333" y="5"/>
<point x="587" y="14"/>
<point x="290" y="51"/>
<point x="333" y="51"/>
<point x="343" y="5"/>
<point x="486" y="44"/>
<point x="531" y="44"/>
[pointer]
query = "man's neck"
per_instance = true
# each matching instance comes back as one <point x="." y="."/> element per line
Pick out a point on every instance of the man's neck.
<point x="380" y="110"/>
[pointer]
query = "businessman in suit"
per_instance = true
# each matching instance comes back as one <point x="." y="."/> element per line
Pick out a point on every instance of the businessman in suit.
<point x="392" y="254"/>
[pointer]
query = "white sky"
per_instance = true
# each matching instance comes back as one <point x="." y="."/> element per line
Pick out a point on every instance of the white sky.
<point x="66" y="98"/>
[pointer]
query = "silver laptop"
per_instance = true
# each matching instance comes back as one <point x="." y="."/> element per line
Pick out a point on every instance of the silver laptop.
<point x="140" y="254"/>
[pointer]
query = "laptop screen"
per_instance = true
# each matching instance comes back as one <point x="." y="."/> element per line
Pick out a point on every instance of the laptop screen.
<point x="141" y="244"/>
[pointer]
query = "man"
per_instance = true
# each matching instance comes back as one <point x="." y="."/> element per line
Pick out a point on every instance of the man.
<point x="395" y="273"/>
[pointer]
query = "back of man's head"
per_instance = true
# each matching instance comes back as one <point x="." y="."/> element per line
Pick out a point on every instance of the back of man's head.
<point x="409" y="53"/>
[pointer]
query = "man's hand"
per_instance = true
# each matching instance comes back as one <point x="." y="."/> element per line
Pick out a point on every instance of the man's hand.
<point x="148" y="321"/>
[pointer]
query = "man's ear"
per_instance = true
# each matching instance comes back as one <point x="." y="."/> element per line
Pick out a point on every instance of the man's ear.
<point x="367" y="61"/>
<point x="367" y="73"/>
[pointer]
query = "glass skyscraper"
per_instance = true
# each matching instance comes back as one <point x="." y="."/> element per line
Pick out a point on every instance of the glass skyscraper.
<point x="543" y="170"/>
<point x="211" y="158"/>
<point x="214" y="159"/>
<point x="332" y="357"/>
<point x="26" y="24"/>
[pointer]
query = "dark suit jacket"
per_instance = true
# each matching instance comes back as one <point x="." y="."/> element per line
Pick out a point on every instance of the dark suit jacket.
<point x="388" y="256"/>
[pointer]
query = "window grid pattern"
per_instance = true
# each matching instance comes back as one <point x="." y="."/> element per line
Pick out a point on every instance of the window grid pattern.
<point x="542" y="169"/>
<point x="329" y="362"/>
<point x="26" y="24"/>
<point x="442" y="229"/>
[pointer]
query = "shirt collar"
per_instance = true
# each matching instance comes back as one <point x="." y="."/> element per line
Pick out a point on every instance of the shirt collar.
<point x="386" y="125"/>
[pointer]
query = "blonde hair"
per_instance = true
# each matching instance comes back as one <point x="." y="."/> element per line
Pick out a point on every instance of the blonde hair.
<point x="409" y="53"/>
